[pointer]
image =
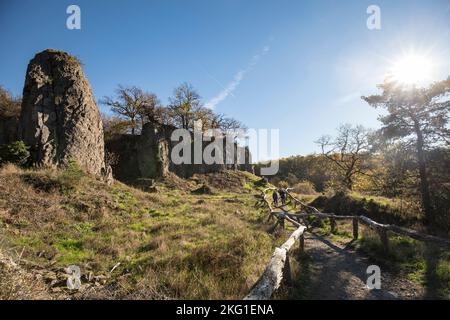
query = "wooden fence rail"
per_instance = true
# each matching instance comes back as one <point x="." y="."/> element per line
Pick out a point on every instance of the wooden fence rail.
<point x="274" y="272"/>
<point x="279" y="268"/>
<point x="380" y="228"/>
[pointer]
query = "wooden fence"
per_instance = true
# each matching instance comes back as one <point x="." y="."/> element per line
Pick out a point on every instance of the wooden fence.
<point x="279" y="266"/>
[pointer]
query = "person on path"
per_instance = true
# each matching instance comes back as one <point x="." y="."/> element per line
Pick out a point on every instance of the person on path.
<point x="282" y="196"/>
<point x="275" y="198"/>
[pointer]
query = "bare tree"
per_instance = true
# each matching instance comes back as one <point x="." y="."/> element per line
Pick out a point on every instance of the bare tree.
<point x="151" y="109"/>
<point x="135" y="106"/>
<point x="348" y="151"/>
<point x="228" y="125"/>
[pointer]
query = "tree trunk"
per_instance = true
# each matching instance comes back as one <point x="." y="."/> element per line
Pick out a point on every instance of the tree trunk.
<point x="349" y="182"/>
<point x="424" y="186"/>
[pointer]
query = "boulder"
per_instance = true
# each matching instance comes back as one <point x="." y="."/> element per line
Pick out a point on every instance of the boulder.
<point x="59" y="119"/>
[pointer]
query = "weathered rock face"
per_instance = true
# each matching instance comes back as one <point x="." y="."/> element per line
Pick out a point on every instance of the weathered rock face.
<point x="60" y="120"/>
<point x="149" y="156"/>
<point x="141" y="156"/>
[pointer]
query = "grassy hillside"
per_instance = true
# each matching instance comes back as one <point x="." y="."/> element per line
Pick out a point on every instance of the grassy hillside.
<point x="171" y="243"/>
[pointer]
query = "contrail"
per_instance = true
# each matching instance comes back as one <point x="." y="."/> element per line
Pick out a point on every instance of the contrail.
<point x="230" y="87"/>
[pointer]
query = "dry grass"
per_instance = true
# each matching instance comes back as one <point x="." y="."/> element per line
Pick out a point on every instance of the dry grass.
<point x="18" y="284"/>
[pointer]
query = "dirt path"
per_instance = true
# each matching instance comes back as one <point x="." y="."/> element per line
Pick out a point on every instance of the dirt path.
<point x="333" y="271"/>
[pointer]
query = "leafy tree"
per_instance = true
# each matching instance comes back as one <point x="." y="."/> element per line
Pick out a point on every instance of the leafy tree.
<point x="185" y="106"/>
<point x="416" y="117"/>
<point x="114" y="126"/>
<point x="151" y="109"/>
<point x="396" y="172"/>
<point x="9" y="105"/>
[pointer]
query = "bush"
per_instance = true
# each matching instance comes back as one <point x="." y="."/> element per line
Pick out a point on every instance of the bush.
<point x="64" y="181"/>
<point x="386" y="212"/>
<point x="71" y="176"/>
<point x="283" y="184"/>
<point x="304" y="187"/>
<point x="16" y="153"/>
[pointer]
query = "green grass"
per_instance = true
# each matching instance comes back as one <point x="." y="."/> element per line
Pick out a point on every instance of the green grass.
<point x="71" y="251"/>
<point x="409" y="258"/>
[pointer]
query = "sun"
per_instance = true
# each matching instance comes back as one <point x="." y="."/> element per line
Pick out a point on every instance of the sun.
<point x="411" y="69"/>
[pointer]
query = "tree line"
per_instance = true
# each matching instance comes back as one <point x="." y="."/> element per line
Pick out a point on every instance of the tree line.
<point x="133" y="107"/>
<point x="408" y="157"/>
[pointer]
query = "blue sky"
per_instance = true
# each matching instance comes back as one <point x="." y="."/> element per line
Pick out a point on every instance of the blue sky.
<point x="300" y="66"/>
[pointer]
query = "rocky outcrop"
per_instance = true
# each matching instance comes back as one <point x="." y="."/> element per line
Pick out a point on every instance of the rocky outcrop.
<point x="60" y="120"/>
<point x="154" y="162"/>
<point x="141" y="156"/>
<point x="148" y="156"/>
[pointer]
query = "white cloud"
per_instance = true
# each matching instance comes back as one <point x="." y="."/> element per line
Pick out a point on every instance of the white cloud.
<point x="238" y="77"/>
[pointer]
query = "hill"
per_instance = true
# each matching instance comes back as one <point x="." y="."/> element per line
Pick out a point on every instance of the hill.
<point x="128" y="243"/>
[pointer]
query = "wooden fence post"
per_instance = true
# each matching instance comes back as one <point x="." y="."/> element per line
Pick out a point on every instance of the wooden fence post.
<point x="355" y="228"/>
<point x="302" y="243"/>
<point x="384" y="239"/>
<point x="287" y="275"/>
<point x="333" y="225"/>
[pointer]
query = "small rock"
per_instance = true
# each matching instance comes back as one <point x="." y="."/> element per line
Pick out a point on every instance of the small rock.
<point x="53" y="283"/>
<point x="107" y="175"/>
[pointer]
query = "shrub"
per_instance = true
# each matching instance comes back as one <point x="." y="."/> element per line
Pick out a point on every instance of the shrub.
<point x="351" y="204"/>
<point x="71" y="176"/>
<point x="304" y="187"/>
<point x="50" y="180"/>
<point x="16" y="153"/>
<point x="283" y="184"/>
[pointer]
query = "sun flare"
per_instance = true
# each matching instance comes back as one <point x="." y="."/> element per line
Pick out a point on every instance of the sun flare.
<point x="412" y="69"/>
